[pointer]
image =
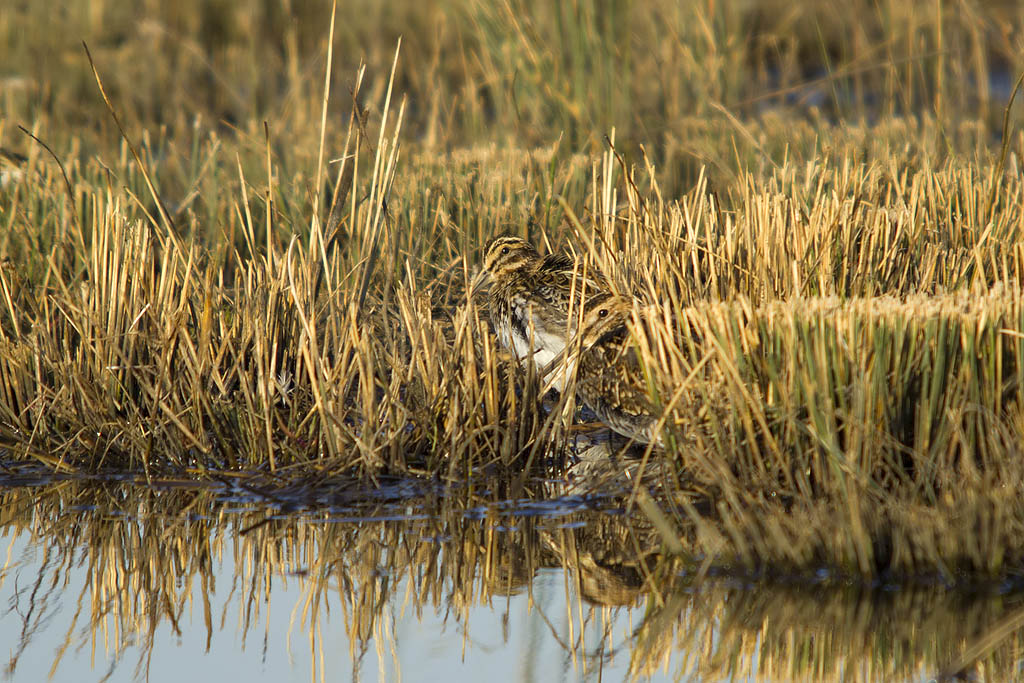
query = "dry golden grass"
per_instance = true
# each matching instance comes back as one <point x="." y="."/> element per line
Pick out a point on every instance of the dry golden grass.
<point x="282" y="289"/>
<point x="843" y="366"/>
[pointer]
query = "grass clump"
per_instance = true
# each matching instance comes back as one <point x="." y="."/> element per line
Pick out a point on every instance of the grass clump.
<point x="874" y="435"/>
<point x="841" y="359"/>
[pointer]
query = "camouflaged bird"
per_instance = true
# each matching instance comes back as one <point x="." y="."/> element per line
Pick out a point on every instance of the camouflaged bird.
<point x="610" y="376"/>
<point x="535" y="301"/>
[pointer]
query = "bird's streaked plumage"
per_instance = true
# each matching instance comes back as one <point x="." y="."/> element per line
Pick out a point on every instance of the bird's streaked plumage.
<point x="536" y="301"/>
<point x="610" y="377"/>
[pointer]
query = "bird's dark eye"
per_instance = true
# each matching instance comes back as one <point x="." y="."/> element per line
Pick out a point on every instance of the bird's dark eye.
<point x="504" y="250"/>
<point x="603" y="313"/>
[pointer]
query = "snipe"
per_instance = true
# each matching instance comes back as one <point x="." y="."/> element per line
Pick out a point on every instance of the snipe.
<point x="610" y="376"/>
<point x="535" y="301"/>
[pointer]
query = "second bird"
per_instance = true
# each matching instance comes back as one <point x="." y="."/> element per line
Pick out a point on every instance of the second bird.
<point x="610" y="378"/>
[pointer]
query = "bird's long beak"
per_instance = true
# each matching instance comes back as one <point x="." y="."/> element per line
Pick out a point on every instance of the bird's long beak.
<point x="478" y="281"/>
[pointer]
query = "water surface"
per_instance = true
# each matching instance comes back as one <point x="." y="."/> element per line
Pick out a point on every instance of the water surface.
<point x="161" y="581"/>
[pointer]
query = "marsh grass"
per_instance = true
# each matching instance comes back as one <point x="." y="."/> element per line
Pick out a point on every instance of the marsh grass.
<point x="842" y="364"/>
<point x="826" y="407"/>
<point x="688" y="82"/>
<point x="836" y="327"/>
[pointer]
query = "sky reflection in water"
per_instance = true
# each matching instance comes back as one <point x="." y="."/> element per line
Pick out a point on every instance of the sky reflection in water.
<point x="463" y="589"/>
<point x="509" y="639"/>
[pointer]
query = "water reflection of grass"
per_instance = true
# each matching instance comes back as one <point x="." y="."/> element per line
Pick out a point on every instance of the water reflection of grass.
<point x="840" y="330"/>
<point x="828" y="632"/>
<point x="152" y="557"/>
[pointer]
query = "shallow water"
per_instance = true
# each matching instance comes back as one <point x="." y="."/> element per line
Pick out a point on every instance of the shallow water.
<point x="170" y="581"/>
<point x="512" y="637"/>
